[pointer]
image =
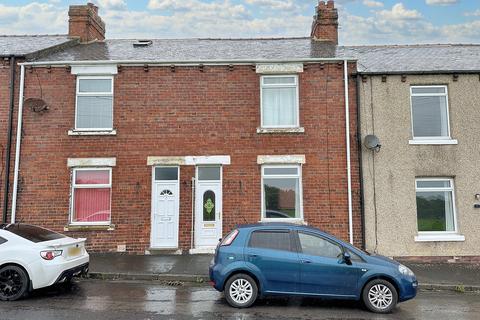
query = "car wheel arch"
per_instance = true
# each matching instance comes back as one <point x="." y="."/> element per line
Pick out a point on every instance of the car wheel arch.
<point x="29" y="279"/>
<point x="382" y="277"/>
<point x="247" y="272"/>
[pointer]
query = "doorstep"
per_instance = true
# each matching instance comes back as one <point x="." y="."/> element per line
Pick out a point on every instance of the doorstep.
<point x="202" y="250"/>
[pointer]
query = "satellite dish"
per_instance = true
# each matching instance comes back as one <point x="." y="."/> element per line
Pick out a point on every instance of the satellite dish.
<point x="36" y="105"/>
<point x="372" y="142"/>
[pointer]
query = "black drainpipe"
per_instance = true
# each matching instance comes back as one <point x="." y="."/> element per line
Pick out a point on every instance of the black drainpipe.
<point x="9" y="140"/>
<point x="360" y="169"/>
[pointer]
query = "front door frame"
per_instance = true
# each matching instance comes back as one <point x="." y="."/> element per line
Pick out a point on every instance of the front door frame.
<point x="219" y="222"/>
<point x="155" y="183"/>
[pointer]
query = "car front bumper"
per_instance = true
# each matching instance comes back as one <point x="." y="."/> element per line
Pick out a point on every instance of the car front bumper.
<point x="408" y="289"/>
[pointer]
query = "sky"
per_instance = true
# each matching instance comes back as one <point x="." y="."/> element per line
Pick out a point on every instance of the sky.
<point x="360" y="21"/>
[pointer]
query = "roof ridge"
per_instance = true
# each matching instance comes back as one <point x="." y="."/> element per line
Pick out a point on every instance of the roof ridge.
<point x="32" y="35"/>
<point x="213" y="39"/>
<point x="412" y="45"/>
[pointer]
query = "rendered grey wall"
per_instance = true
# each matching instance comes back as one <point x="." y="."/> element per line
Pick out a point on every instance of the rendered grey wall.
<point x="390" y="211"/>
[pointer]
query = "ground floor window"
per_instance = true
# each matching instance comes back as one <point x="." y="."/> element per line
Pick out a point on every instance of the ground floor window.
<point x="91" y="195"/>
<point x="281" y="192"/>
<point x="435" y="205"/>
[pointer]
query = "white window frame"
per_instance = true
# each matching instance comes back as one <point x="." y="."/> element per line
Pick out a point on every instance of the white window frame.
<point x="300" y="190"/>
<point x="435" y="139"/>
<point x="89" y="186"/>
<point x="438" y="235"/>
<point x="93" y="94"/>
<point x="282" y="85"/>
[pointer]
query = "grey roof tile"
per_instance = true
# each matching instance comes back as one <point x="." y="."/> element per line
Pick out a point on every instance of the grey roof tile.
<point x="198" y="50"/>
<point x="27" y="44"/>
<point x="371" y="59"/>
<point x="415" y="58"/>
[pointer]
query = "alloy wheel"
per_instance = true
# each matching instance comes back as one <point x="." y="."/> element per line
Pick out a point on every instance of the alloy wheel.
<point x="241" y="291"/>
<point x="11" y="283"/>
<point x="380" y="296"/>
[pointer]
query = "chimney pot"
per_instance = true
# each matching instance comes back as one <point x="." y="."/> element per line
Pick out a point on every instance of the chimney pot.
<point x="325" y="22"/>
<point x="85" y="23"/>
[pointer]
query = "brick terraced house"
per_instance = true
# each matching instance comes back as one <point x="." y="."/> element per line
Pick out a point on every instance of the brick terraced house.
<point x="164" y="145"/>
<point x="15" y="49"/>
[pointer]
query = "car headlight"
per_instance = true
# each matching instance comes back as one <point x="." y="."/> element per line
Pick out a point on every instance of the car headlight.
<point x="405" y="271"/>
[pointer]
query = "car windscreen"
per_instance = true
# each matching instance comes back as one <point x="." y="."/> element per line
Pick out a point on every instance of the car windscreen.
<point x="33" y="233"/>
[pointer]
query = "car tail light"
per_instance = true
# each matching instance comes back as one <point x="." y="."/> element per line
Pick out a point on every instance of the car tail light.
<point x="229" y="239"/>
<point x="50" y="254"/>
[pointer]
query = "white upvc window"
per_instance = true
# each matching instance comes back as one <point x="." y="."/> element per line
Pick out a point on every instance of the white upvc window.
<point x="279" y="101"/>
<point x="282" y="196"/>
<point x="91" y="196"/>
<point x="429" y="112"/>
<point x="94" y="103"/>
<point x="436" y="214"/>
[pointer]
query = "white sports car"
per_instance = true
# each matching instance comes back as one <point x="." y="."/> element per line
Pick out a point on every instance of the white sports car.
<point x="32" y="257"/>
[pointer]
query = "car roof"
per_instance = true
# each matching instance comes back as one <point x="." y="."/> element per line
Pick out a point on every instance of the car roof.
<point x="260" y="225"/>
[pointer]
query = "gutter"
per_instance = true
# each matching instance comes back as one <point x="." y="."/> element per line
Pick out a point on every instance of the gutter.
<point x="9" y="139"/>
<point x="360" y="164"/>
<point x="17" y="145"/>
<point x="184" y="62"/>
<point x="347" y="141"/>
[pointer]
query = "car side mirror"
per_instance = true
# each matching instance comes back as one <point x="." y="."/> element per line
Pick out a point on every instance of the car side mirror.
<point x="347" y="258"/>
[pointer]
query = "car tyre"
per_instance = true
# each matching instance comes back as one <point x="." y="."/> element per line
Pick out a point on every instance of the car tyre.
<point x="380" y="296"/>
<point x="14" y="283"/>
<point x="241" y="291"/>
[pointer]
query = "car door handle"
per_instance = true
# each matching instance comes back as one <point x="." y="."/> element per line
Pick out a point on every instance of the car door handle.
<point x="306" y="261"/>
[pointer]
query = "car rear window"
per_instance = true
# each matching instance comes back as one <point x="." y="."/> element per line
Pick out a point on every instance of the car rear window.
<point x="2" y="240"/>
<point x="33" y="233"/>
<point x="274" y="240"/>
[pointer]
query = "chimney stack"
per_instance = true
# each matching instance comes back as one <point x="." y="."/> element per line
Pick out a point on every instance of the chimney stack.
<point x="325" y="22"/>
<point x="84" y="23"/>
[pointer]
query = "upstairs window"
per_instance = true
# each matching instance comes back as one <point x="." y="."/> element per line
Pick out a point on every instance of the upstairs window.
<point x="91" y="194"/>
<point x="430" y="112"/>
<point x="279" y="101"/>
<point x="94" y="106"/>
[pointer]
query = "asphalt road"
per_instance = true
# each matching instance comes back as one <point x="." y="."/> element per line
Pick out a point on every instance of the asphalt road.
<point x="95" y="299"/>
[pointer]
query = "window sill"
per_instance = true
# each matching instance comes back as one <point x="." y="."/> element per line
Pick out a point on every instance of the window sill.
<point x="280" y="130"/>
<point x="72" y="132"/>
<point x="290" y="220"/>
<point x="433" y="142"/>
<point x="96" y="227"/>
<point x="439" y="237"/>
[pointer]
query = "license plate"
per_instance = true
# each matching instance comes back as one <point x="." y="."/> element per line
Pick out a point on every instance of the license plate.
<point x="73" y="252"/>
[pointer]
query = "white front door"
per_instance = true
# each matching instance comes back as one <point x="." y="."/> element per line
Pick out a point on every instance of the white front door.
<point x="165" y="205"/>
<point x="208" y="207"/>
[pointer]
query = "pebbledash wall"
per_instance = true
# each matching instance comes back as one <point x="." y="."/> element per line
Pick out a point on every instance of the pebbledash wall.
<point x="389" y="175"/>
<point x="189" y="112"/>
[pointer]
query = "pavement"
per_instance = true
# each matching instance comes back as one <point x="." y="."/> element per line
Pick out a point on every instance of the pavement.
<point x="194" y="268"/>
<point x="141" y="300"/>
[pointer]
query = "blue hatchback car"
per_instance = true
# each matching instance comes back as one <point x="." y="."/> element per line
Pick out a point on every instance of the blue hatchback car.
<point x="287" y="259"/>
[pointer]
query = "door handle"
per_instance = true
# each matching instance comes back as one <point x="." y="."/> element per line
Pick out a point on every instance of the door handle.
<point x="306" y="261"/>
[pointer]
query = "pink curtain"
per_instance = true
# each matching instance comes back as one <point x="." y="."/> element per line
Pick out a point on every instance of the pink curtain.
<point x="91" y="205"/>
<point x="92" y="177"/>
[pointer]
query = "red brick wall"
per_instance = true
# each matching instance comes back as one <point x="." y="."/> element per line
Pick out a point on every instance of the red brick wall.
<point x="5" y="72"/>
<point x="85" y="23"/>
<point x="187" y="112"/>
<point x="325" y="24"/>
